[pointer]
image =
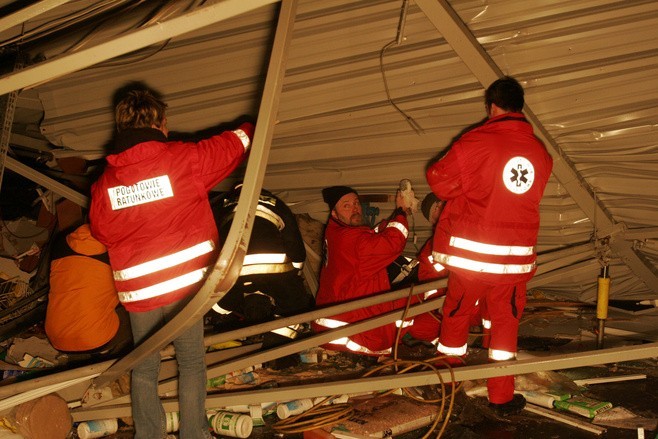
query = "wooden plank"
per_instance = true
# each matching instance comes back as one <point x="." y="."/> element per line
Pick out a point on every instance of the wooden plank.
<point x="565" y="419"/>
<point x="610" y="379"/>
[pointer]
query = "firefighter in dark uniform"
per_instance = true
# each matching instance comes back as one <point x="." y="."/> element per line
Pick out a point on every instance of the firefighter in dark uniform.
<point x="270" y="282"/>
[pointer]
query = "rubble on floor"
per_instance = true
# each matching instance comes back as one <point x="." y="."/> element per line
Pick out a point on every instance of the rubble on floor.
<point x="614" y="399"/>
<point x="621" y="385"/>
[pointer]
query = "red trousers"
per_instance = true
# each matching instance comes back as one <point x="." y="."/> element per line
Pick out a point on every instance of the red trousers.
<point x="425" y="327"/>
<point x="501" y="304"/>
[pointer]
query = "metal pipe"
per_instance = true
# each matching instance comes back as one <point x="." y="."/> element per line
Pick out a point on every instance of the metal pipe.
<point x="403" y="18"/>
<point x="602" y="305"/>
<point x="377" y="383"/>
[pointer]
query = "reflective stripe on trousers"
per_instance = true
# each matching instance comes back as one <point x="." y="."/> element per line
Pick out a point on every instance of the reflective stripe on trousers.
<point x="452" y="351"/>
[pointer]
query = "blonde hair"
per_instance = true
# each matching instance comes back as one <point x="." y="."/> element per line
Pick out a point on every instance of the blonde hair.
<point x="139" y="109"/>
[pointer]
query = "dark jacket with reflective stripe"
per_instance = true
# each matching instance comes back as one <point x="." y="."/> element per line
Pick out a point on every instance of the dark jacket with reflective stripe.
<point x="275" y="228"/>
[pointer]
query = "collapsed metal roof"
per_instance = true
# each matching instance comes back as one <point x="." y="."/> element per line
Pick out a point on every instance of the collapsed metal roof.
<point x="373" y="90"/>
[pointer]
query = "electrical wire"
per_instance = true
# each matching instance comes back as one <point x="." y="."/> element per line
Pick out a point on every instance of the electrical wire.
<point x="428" y="363"/>
<point x="410" y="120"/>
<point x="83" y="16"/>
<point x="317" y="416"/>
<point x="320" y="415"/>
<point x="88" y="36"/>
<point x="397" y="41"/>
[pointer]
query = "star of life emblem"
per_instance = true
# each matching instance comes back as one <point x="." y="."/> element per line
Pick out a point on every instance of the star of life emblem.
<point x="518" y="175"/>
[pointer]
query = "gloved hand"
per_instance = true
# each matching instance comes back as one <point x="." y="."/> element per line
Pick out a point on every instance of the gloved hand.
<point x="247" y="124"/>
<point x="405" y="197"/>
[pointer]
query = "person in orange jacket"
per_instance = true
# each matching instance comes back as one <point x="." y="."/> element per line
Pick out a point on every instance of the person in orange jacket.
<point x="83" y="314"/>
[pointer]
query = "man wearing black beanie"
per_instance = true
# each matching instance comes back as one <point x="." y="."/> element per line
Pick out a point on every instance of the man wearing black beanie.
<point x="356" y="261"/>
<point x="431" y="207"/>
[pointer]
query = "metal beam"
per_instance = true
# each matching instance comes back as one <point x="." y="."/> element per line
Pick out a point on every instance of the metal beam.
<point x="586" y="248"/>
<point x="168" y="388"/>
<point x="563" y="258"/>
<point x="45" y="147"/>
<point x="92" y="371"/>
<point x="589" y="266"/>
<point x="128" y="42"/>
<point x="641" y="234"/>
<point x="387" y="382"/>
<point x="47" y="182"/>
<point x="484" y="68"/>
<point x="17" y="18"/>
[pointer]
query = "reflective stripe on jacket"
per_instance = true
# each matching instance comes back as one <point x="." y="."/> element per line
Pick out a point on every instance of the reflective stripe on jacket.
<point x="492" y="179"/>
<point x="150" y="208"/>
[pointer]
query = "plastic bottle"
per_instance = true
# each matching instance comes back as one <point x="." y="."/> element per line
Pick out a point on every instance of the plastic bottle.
<point x="231" y="424"/>
<point x="98" y="428"/>
<point x="172" y="419"/>
<point x="292" y="408"/>
<point x="256" y="414"/>
<point x="539" y="398"/>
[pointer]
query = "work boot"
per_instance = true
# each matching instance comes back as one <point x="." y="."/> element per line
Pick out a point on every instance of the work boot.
<point x="512" y="407"/>
<point x="414" y="349"/>
<point x="444" y="361"/>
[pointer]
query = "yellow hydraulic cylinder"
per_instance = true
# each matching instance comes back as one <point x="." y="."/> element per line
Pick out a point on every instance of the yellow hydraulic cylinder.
<point x="602" y="304"/>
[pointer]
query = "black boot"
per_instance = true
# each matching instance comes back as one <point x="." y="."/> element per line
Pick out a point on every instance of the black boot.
<point x="511" y="407"/>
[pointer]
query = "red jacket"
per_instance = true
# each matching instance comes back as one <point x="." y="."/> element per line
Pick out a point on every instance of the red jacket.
<point x="355" y="266"/>
<point x="150" y="208"/>
<point x="493" y="179"/>
<point x="357" y="258"/>
<point x="427" y="269"/>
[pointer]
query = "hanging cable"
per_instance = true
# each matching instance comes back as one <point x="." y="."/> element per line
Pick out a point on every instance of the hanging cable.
<point x="398" y="40"/>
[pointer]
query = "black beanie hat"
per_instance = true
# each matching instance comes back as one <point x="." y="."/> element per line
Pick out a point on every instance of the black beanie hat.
<point x="332" y="194"/>
<point x="427" y="203"/>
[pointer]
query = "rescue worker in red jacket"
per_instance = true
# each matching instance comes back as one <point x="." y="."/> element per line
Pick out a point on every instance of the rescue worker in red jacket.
<point x="429" y="270"/>
<point x="355" y="266"/>
<point x="431" y="207"/>
<point x="81" y="285"/>
<point x="150" y="208"/>
<point x="492" y="178"/>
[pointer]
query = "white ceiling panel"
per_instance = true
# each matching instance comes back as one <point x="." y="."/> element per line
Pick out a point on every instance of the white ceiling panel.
<point x="589" y="68"/>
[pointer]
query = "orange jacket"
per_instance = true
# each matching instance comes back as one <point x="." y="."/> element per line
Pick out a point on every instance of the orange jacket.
<point x="80" y="314"/>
